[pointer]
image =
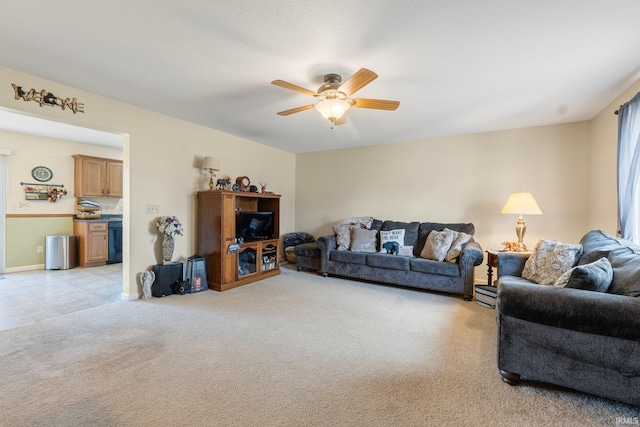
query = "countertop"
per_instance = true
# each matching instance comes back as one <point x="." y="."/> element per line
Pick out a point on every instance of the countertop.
<point x="103" y="218"/>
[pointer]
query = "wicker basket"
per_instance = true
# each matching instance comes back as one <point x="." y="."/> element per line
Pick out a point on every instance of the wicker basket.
<point x="290" y="254"/>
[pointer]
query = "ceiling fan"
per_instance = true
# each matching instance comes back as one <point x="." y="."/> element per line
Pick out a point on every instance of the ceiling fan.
<point x="335" y="96"/>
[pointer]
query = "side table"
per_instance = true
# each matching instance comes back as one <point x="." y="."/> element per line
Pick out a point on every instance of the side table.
<point x="492" y="262"/>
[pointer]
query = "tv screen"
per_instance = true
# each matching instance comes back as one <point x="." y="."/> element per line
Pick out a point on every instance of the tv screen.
<point x="254" y="225"/>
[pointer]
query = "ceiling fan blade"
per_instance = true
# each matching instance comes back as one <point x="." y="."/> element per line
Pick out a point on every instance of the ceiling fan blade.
<point x="377" y="104"/>
<point x="295" y="110"/>
<point x="342" y="120"/>
<point x="291" y="86"/>
<point x="360" y="79"/>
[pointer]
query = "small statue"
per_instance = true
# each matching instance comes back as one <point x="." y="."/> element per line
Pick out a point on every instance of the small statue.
<point x="511" y="246"/>
<point x="147" y="278"/>
<point x="263" y="188"/>
<point x="222" y="183"/>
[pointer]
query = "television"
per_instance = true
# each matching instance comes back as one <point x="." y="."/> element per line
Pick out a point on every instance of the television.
<point x="255" y="225"/>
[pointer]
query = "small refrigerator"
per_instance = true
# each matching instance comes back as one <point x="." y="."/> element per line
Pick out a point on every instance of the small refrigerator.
<point x="60" y="252"/>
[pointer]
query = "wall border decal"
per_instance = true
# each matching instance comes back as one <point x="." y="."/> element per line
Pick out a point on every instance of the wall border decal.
<point x="44" y="97"/>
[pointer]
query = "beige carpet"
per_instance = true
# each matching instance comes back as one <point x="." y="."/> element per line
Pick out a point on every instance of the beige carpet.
<point x="294" y="350"/>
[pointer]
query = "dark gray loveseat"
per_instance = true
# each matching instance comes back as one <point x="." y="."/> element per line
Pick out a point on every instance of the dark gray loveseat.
<point x="581" y="339"/>
<point x="455" y="278"/>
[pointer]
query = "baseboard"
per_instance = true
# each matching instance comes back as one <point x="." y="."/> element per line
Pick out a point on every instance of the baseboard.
<point x="129" y="297"/>
<point x="24" y="268"/>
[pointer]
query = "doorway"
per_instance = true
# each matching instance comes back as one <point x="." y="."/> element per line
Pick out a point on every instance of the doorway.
<point x="23" y="123"/>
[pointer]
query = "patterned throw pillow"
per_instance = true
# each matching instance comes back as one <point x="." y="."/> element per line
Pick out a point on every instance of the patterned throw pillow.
<point x="363" y="240"/>
<point x="362" y="221"/>
<point x="437" y="245"/>
<point x="343" y="236"/>
<point x="459" y="242"/>
<point x="391" y="240"/>
<point x="550" y="259"/>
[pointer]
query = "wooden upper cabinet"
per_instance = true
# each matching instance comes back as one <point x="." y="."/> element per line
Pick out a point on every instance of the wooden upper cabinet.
<point x="97" y="177"/>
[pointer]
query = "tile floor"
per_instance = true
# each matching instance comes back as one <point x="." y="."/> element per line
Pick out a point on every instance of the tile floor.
<point x="33" y="296"/>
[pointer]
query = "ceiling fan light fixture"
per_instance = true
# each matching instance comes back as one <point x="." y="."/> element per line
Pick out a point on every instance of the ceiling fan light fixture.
<point x="332" y="109"/>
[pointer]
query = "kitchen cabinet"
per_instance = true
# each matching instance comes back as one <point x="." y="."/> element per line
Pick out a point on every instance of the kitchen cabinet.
<point x="93" y="242"/>
<point x="97" y="176"/>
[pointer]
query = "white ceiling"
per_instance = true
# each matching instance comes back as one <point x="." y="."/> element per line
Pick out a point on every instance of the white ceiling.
<point x="456" y="66"/>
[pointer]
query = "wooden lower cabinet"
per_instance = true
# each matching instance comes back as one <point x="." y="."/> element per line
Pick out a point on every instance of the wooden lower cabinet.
<point x="217" y="218"/>
<point x="93" y="242"/>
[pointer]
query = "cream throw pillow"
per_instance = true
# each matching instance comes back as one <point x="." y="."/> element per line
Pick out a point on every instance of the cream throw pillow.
<point x="437" y="245"/>
<point x="459" y="241"/>
<point x="343" y="236"/>
<point x="550" y="259"/>
<point x="363" y="240"/>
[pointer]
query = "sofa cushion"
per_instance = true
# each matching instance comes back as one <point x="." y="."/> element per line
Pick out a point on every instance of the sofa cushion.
<point x="549" y="260"/>
<point x="427" y="227"/>
<point x="310" y="250"/>
<point x="389" y="262"/>
<point x="513" y="279"/>
<point x="597" y="244"/>
<point x="391" y="240"/>
<point x="626" y="272"/>
<point x="348" y="257"/>
<point x="434" y="267"/>
<point x="410" y="231"/>
<point x="363" y="240"/>
<point x="595" y="276"/>
<point x="437" y="245"/>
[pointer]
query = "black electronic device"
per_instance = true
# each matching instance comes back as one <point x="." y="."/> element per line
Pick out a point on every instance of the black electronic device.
<point x="166" y="277"/>
<point x="255" y="225"/>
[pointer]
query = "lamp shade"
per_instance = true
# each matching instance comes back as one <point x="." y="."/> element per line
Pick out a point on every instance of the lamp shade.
<point x="332" y="109"/>
<point x="211" y="163"/>
<point x="521" y="204"/>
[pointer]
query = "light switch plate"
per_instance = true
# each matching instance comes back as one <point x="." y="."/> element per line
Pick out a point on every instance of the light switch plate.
<point x="152" y="209"/>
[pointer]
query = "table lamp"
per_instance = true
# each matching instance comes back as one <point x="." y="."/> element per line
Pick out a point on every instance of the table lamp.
<point x="521" y="204"/>
<point x="212" y="165"/>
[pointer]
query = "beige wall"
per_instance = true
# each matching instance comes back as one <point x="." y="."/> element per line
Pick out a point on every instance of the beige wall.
<point x="604" y="150"/>
<point x="161" y="158"/>
<point x="456" y="179"/>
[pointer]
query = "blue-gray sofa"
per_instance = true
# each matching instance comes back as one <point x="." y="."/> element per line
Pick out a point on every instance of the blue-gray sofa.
<point x="450" y="277"/>
<point x="576" y="338"/>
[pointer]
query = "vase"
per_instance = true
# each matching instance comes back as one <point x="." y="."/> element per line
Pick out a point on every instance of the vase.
<point x="167" y="249"/>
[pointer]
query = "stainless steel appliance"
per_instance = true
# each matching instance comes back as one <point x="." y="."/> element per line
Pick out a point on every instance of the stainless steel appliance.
<point x="61" y="252"/>
<point x="115" y="242"/>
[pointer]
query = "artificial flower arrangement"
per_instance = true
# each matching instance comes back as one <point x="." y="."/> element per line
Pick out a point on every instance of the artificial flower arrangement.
<point x="169" y="226"/>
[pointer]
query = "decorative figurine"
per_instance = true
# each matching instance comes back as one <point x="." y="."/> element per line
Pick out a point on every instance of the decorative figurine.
<point x="147" y="278"/>
<point x="221" y="184"/>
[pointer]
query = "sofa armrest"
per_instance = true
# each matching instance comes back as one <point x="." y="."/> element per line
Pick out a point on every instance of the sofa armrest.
<point x="471" y="254"/>
<point x="511" y="263"/>
<point x="591" y="312"/>
<point x="326" y="244"/>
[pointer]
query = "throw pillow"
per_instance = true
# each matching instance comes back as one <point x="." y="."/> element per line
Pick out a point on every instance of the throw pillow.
<point x="549" y="260"/>
<point x="391" y="240"/>
<point x="363" y="240"/>
<point x="343" y="236"/>
<point x="362" y="221"/>
<point x="405" y="251"/>
<point x="459" y="242"/>
<point x="437" y="245"/>
<point x="595" y="276"/>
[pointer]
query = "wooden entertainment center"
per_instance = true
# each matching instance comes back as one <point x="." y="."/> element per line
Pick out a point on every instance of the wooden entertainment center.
<point x="255" y="259"/>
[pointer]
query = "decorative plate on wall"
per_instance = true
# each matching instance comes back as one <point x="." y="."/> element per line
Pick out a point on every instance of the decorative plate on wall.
<point x="41" y="173"/>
